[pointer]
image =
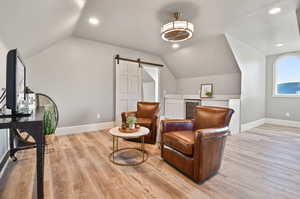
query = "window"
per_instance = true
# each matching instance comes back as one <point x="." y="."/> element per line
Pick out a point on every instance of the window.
<point x="287" y="76"/>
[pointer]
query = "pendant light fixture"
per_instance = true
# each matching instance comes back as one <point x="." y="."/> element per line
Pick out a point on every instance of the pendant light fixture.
<point x="177" y="30"/>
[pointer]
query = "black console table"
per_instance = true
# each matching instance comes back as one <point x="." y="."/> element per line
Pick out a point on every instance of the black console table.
<point x="33" y="125"/>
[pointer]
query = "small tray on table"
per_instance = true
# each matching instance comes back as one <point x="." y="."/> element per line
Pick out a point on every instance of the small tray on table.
<point x="129" y="130"/>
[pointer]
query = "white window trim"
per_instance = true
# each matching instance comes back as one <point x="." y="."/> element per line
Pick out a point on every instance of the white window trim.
<point x="275" y="94"/>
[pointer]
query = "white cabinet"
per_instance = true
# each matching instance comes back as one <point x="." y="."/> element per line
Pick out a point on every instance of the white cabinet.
<point x="214" y="103"/>
<point x="234" y="104"/>
<point x="174" y="109"/>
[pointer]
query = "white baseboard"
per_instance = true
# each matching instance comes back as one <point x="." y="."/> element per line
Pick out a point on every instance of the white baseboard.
<point x="257" y="123"/>
<point x="289" y="123"/>
<point x="84" y="128"/>
<point x="250" y="125"/>
<point x="104" y="125"/>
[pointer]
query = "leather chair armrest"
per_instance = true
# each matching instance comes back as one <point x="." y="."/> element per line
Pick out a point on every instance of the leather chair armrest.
<point x="127" y="114"/>
<point x="211" y="133"/>
<point x="208" y="146"/>
<point x="155" y="117"/>
<point x="177" y="125"/>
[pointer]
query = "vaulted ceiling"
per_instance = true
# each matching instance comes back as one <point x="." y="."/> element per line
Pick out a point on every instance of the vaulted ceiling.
<point x="33" y="25"/>
<point x="264" y="32"/>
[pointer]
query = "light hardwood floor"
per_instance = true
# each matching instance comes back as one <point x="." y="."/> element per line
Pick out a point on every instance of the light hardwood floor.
<point x="262" y="163"/>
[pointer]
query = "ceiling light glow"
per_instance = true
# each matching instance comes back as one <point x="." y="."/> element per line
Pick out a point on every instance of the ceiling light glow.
<point x="80" y="3"/>
<point x="274" y="11"/>
<point x="93" y="21"/>
<point x="175" y="46"/>
<point x="279" y="45"/>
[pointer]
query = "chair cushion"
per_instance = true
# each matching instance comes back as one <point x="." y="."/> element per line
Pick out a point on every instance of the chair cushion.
<point x="146" y="122"/>
<point x="182" y="141"/>
<point x="147" y="109"/>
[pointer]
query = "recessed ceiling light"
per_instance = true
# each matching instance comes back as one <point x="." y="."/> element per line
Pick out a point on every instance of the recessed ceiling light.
<point x="279" y="45"/>
<point x="274" y="11"/>
<point x="175" y="46"/>
<point x="94" y="21"/>
<point x="80" y="3"/>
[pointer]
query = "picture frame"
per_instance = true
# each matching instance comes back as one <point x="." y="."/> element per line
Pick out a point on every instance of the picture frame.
<point x="206" y="90"/>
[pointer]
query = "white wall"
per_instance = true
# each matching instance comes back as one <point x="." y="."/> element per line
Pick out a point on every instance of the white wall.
<point x="277" y="107"/>
<point x="3" y="133"/>
<point x="79" y="75"/>
<point x="168" y="82"/>
<point x="149" y="91"/>
<point x="227" y="84"/>
<point x="252" y="64"/>
<point x="154" y="74"/>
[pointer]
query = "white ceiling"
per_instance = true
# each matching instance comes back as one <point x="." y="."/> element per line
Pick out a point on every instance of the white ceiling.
<point x="33" y="25"/>
<point x="263" y="31"/>
<point x="210" y="56"/>
<point x="136" y="23"/>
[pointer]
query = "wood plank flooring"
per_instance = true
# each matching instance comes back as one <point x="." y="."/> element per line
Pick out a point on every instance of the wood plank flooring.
<point x="261" y="163"/>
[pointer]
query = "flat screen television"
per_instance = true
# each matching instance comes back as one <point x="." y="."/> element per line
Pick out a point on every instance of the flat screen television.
<point x="15" y="83"/>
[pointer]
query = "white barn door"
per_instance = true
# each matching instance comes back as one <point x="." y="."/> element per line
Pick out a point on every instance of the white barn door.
<point x="128" y="88"/>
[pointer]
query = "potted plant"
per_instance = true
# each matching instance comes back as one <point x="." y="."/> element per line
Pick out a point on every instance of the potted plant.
<point x="131" y="120"/>
<point x="49" y="123"/>
<point x="209" y="94"/>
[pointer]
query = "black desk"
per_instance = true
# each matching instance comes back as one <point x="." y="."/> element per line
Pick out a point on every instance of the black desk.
<point x="33" y="126"/>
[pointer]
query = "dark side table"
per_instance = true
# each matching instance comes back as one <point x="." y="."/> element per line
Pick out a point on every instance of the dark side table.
<point x="33" y="125"/>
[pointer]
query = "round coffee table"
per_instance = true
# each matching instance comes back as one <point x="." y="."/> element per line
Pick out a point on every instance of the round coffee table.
<point x="141" y="133"/>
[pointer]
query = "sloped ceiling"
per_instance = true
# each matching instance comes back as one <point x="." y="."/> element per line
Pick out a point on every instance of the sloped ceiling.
<point x="263" y="31"/>
<point x="211" y="56"/>
<point x="136" y="23"/>
<point x="33" y="25"/>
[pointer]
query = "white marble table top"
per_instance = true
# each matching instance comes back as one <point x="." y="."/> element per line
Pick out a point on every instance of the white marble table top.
<point x="141" y="132"/>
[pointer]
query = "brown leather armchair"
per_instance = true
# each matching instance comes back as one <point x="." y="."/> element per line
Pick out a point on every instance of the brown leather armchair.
<point x="147" y="115"/>
<point x="195" y="147"/>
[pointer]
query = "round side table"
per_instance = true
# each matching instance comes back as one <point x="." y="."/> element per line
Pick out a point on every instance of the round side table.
<point x="141" y="133"/>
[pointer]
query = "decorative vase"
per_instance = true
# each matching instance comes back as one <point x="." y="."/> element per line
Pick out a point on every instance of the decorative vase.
<point x="132" y="126"/>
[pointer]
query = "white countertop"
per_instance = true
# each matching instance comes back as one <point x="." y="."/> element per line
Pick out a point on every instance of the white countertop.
<point x="214" y="98"/>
